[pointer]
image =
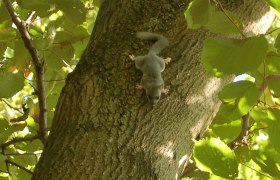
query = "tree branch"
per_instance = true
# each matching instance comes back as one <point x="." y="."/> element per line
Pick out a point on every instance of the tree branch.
<point x="39" y="69"/>
<point x="241" y="139"/>
<point x="16" y="140"/>
<point x="19" y="166"/>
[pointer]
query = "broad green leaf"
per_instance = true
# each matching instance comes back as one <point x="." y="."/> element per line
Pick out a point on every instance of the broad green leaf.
<point x="3" y="47"/>
<point x="226" y="114"/>
<point x="227" y="132"/>
<point x="258" y="115"/>
<point x="277" y="43"/>
<point x="267" y="158"/>
<point x="197" y="174"/>
<point x="25" y="160"/>
<point x="2" y="163"/>
<point x="4" y="16"/>
<point x="10" y="84"/>
<point x="22" y="57"/>
<point x="57" y="56"/>
<point x="214" y="156"/>
<point x="242" y="153"/>
<point x="7" y="33"/>
<point x="9" y="131"/>
<point x="244" y="94"/>
<point x="74" y="10"/>
<point x="198" y="13"/>
<point x="232" y="56"/>
<point x="41" y="7"/>
<point x="47" y="39"/>
<point x="273" y="63"/>
<point x="275" y="4"/>
<point x="274" y="128"/>
<point x="219" y="23"/>
<point x="274" y="84"/>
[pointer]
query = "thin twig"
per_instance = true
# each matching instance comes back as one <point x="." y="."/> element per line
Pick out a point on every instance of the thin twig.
<point x="273" y="30"/>
<point x="39" y="69"/>
<point x="231" y="20"/>
<point x="256" y="170"/>
<point x="241" y="139"/>
<point x="23" y="154"/>
<point x="268" y="77"/>
<point x="17" y="140"/>
<point x="8" y="104"/>
<point x="19" y="166"/>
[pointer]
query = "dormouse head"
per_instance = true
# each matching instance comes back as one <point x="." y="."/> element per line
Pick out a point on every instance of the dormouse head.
<point x="153" y="93"/>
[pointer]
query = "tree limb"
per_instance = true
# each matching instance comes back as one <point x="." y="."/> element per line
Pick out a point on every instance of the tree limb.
<point x="39" y="69"/>
<point x="241" y="139"/>
<point x="19" y="139"/>
<point x="19" y="166"/>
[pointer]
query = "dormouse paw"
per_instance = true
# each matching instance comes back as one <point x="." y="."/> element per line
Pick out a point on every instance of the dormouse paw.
<point x="165" y="91"/>
<point x="138" y="86"/>
<point x="132" y="57"/>
<point x="167" y="60"/>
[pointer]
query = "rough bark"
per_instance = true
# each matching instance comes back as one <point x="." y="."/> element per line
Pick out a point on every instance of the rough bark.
<point x="103" y="127"/>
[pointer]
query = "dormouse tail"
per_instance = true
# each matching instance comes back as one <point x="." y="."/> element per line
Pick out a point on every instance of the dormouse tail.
<point x="159" y="45"/>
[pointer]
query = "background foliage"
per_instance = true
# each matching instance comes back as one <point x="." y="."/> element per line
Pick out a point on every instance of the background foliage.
<point x="60" y="31"/>
<point x="240" y="143"/>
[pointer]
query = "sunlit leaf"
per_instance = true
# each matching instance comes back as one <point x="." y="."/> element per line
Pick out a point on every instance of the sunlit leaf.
<point x="232" y="56"/>
<point x="275" y="4"/>
<point x="227" y="132"/>
<point x="212" y="155"/>
<point x="220" y="23"/>
<point x="198" y="13"/>
<point x="10" y="84"/>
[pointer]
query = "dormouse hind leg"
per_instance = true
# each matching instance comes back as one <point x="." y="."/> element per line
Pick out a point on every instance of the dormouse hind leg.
<point x="139" y="61"/>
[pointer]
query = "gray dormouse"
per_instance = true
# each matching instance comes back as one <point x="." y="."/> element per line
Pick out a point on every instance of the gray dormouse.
<point x="152" y="66"/>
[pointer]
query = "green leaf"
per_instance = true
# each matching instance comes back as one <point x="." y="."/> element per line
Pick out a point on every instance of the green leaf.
<point x="227" y="132"/>
<point x="21" y="56"/>
<point x="10" y="84"/>
<point x="2" y="163"/>
<point x="275" y="4"/>
<point x="226" y="114"/>
<point x="258" y="114"/>
<point x="56" y="57"/>
<point x="273" y="63"/>
<point x="74" y="10"/>
<point x="244" y="94"/>
<point x="198" y="13"/>
<point x="4" y="16"/>
<point x="232" y="56"/>
<point x="7" y="33"/>
<point x="219" y="23"/>
<point x="10" y="130"/>
<point x="41" y="7"/>
<point x="274" y="84"/>
<point x="274" y="128"/>
<point x="277" y="43"/>
<point x="243" y="154"/>
<point x="214" y="156"/>
<point x="267" y="158"/>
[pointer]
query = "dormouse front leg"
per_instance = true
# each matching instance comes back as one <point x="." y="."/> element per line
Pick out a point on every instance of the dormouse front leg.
<point x="167" y="60"/>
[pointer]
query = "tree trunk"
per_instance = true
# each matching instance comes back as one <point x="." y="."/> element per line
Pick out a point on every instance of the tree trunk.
<point x="104" y="128"/>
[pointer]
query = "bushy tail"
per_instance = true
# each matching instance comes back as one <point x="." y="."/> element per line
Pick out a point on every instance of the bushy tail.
<point x="161" y="43"/>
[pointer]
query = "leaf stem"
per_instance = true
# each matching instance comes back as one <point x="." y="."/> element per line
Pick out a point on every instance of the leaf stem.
<point x="230" y="19"/>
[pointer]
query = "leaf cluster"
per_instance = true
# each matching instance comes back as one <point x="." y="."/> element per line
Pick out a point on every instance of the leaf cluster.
<point x="242" y="141"/>
<point x="59" y="30"/>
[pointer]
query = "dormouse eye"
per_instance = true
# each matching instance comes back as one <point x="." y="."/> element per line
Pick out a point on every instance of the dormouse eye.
<point x="157" y="97"/>
<point x="150" y="97"/>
